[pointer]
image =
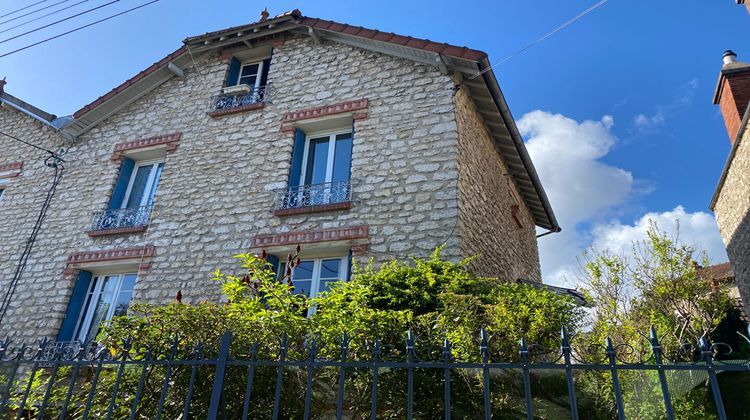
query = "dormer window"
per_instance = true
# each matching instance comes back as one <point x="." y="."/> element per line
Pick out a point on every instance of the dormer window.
<point x="246" y="86"/>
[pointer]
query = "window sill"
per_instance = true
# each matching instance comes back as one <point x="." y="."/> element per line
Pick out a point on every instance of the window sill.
<point x="235" y="110"/>
<point x="313" y="209"/>
<point x="118" y="231"/>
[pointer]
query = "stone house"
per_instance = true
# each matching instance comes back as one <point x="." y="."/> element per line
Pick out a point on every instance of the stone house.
<point x="354" y="143"/>
<point x="731" y="200"/>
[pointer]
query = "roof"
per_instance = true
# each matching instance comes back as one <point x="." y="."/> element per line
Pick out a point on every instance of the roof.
<point x="578" y="297"/>
<point x="718" y="272"/>
<point x="56" y="123"/>
<point x="484" y="91"/>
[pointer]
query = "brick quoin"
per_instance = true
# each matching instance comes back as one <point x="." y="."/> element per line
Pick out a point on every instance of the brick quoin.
<point x="733" y="100"/>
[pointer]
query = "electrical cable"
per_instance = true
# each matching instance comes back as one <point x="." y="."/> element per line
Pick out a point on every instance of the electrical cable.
<point x="53" y="154"/>
<point x="56" y="164"/>
<point x="549" y="34"/>
<point x="43" y="16"/>
<point x="58" y="21"/>
<point x="33" y="11"/>
<point x="23" y="8"/>
<point x="78" y="28"/>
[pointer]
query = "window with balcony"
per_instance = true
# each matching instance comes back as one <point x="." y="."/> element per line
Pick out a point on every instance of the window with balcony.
<point x="131" y="203"/>
<point x="246" y="86"/>
<point x="320" y="173"/>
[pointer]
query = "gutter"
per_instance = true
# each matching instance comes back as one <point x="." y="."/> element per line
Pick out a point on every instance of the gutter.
<point x="57" y="124"/>
<point x="510" y="123"/>
<point x="730" y="158"/>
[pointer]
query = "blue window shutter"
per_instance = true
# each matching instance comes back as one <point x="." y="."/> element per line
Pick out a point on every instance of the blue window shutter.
<point x="349" y="267"/>
<point x="297" y="153"/>
<point x="75" y="306"/>
<point x="121" y="186"/>
<point x="264" y="73"/>
<point x="274" y="260"/>
<point x="234" y="72"/>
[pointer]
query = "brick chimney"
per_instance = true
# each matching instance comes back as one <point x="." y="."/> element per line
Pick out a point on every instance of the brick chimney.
<point x="733" y="92"/>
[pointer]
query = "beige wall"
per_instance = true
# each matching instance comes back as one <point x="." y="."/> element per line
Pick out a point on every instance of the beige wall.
<point x="216" y="191"/>
<point x="732" y="210"/>
<point x="486" y="196"/>
<point x="19" y="207"/>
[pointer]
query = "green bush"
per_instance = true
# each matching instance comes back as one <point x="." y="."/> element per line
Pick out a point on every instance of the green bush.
<point x="434" y="298"/>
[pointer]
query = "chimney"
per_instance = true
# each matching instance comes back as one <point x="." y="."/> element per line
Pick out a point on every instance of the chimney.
<point x="2" y="85"/>
<point x="264" y="15"/>
<point x="733" y="92"/>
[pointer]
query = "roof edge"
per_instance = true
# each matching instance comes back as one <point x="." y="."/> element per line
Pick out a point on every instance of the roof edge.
<point x="730" y="158"/>
<point x="499" y="99"/>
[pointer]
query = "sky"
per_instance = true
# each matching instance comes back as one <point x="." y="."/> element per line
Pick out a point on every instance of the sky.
<point x="616" y="109"/>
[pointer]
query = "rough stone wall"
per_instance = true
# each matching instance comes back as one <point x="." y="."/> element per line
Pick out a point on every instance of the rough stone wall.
<point x="732" y="211"/>
<point x="487" y="194"/>
<point x="19" y="208"/>
<point x="216" y="190"/>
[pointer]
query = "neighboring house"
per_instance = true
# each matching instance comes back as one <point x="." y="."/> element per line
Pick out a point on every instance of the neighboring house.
<point x="731" y="200"/>
<point x="353" y="143"/>
<point x="722" y="276"/>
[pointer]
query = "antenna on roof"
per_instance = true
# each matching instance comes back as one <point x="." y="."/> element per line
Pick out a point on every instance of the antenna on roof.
<point x="264" y="15"/>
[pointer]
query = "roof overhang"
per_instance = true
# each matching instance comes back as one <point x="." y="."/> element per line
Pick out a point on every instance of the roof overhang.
<point x="464" y="62"/>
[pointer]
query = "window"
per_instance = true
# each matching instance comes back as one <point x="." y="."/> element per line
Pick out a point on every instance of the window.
<point x="132" y="199"/>
<point x="108" y="296"/>
<point x="327" y="159"/>
<point x="314" y="276"/>
<point x="142" y="185"/>
<point x="250" y="74"/>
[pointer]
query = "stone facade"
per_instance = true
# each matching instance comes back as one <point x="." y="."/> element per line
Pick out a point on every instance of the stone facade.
<point x="424" y="173"/>
<point x="494" y="223"/>
<point x="732" y="210"/>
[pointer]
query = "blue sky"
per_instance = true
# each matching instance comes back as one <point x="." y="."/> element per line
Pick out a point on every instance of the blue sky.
<point x="630" y="85"/>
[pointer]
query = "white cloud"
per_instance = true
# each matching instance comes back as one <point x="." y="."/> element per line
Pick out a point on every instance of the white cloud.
<point x="580" y="187"/>
<point x="650" y="124"/>
<point x="586" y="194"/>
<point x="698" y="229"/>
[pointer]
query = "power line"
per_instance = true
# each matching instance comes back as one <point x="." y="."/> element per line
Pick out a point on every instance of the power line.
<point x="43" y="16"/>
<point x="33" y="145"/>
<point x="33" y="11"/>
<point x="23" y="8"/>
<point x="549" y="34"/>
<point x="59" y="21"/>
<point x="77" y="29"/>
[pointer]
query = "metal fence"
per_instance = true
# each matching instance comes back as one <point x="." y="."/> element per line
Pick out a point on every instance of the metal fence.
<point x="227" y="381"/>
<point x="120" y="218"/>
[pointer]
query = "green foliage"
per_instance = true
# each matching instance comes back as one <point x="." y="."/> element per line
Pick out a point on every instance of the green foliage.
<point x="432" y="297"/>
<point x="661" y="287"/>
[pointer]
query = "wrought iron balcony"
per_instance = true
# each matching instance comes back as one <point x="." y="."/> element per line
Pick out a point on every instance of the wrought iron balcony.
<point x="120" y="218"/>
<point x="240" y="98"/>
<point x="313" y="195"/>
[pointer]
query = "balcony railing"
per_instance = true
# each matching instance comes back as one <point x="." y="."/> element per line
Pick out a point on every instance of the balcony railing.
<point x="232" y="100"/>
<point x="120" y="218"/>
<point x="314" y="195"/>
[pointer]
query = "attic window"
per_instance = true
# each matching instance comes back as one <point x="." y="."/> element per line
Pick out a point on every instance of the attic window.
<point x="246" y="87"/>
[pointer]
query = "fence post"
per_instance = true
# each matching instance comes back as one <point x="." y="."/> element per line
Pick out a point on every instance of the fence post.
<point x="311" y="354"/>
<point x="221" y="368"/>
<point x="611" y="354"/>
<point x="279" y="378"/>
<point x="374" y="397"/>
<point x="484" y="350"/>
<point x="410" y="375"/>
<point x="13" y="371"/>
<point x="447" y="378"/>
<point x="342" y="376"/>
<point x="524" y="353"/>
<point x="566" y="350"/>
<point x="708" y="356"/>
<point x="656" y="348"/>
